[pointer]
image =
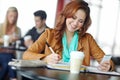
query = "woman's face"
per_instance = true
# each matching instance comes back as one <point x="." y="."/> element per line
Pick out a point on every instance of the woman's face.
<point x="12" y="17"/>
<point x="76" y="22"/>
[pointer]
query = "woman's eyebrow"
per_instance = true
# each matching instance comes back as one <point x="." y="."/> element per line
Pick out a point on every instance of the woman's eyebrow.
<point x="79" y="19"/>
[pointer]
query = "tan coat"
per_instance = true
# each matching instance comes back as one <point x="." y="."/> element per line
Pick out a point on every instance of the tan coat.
<point x="86" y="44"/>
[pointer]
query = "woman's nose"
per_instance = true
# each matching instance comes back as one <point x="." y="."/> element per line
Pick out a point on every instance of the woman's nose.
<point x="75" y="22"/>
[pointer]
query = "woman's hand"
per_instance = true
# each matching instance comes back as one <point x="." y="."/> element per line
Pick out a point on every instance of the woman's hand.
<point x="1" y="40"/>
<point x="13" y="38"/>
<point x="52" y="58"/>
<point x="104" y="66"/>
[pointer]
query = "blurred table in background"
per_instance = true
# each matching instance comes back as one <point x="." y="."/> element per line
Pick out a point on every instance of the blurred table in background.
<point x="11" y="49"/>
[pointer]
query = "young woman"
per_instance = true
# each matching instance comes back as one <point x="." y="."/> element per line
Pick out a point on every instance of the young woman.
<point x="9" y="27"/>
<point x="69" y="35"/>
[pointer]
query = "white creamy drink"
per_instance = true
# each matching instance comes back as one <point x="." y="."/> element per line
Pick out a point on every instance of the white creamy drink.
<point x="6" y="40"/>
<point x="76" y="59"/>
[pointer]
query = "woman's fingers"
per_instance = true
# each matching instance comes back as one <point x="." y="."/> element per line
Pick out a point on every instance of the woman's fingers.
<point x="53" y="58"/>
<point x="56" y="57"/>
<point x="104" y="66"/>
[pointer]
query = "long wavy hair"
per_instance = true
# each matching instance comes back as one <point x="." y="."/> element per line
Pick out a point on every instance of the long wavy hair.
<point x="6" y="22"/>
<point x="68" y="12"/>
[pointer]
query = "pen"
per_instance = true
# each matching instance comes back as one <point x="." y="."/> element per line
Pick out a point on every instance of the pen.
<point x="50" y="48"/>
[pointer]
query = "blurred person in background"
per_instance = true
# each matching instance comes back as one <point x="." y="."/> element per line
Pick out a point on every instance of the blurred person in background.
<point x="40" y="26"/>
<point x="9" y="28"/>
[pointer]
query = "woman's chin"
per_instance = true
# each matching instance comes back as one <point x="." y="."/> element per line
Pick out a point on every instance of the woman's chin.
<point x="72" y="31"/>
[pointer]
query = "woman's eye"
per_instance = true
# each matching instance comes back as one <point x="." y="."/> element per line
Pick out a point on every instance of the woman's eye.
<point x="81" y="21"/>
<point x="74" y="17"/>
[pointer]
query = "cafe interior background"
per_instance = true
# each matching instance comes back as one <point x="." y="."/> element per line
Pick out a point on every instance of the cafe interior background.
<point x="105" y="15"/>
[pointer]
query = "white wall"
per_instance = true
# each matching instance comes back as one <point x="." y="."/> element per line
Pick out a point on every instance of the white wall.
<point x="26" y="8"/>
<point x="105" y="26"/>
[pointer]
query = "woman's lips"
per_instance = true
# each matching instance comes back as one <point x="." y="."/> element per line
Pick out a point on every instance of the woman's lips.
<point x="73" y="27"/>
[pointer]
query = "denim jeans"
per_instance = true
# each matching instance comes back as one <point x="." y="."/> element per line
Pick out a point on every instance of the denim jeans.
<point x="4" y="67"/>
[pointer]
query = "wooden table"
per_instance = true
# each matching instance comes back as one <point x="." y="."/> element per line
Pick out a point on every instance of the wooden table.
<point x="12" y="48"/>
<point x="50" y="74"/>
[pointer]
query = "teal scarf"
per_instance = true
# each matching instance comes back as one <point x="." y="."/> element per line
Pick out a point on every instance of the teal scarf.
<point x="73" y="46"/>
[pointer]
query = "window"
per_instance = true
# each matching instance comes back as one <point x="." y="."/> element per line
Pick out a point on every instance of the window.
<point x="26" y="8"/>
<point x="105" y="16"/>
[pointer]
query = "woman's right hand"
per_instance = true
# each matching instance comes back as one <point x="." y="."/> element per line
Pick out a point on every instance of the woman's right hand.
<point x="52" y="58"/>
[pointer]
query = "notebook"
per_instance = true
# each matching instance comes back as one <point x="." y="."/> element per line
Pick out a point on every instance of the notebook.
<point x="58" y="66"/>
<point x="26" y="63"/>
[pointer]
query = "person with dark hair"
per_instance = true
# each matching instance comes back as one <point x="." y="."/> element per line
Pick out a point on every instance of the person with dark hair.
<point x="40" y="26"/>
<point x="69" y="35"/>
<point x="41" y="13"/>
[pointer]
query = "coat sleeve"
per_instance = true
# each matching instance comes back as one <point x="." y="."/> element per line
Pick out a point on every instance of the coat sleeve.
<point x="96" y="52"/>
<point x="33" y="52"/>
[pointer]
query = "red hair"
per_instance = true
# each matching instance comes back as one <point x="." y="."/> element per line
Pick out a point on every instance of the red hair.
<point x="69" y="11"/>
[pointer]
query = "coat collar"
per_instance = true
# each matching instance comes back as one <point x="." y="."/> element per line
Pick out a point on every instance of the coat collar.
<point x="79" y="45"/>
<point x="58" y="45"/>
